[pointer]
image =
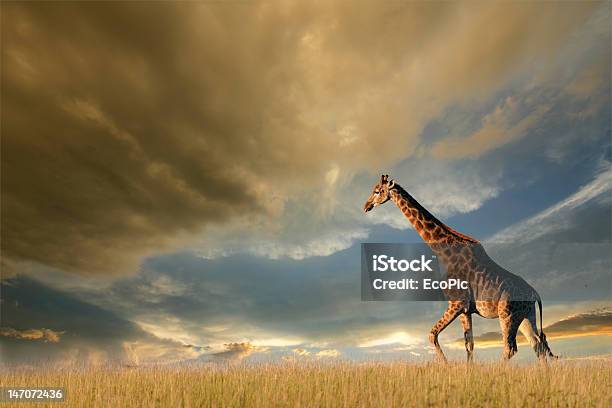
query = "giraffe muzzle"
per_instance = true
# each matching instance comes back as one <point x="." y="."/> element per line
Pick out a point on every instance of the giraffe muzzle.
<point x="367" y="207"/>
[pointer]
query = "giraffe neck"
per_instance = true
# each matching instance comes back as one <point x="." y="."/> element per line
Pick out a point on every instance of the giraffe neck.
<point x="431" y="230"/>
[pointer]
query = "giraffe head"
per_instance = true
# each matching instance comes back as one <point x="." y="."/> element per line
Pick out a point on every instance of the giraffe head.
<point x="380" y="193"/>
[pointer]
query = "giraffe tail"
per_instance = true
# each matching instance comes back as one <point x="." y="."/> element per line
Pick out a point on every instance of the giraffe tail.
<point x="545" y="349"/>
<point x="541" y="321"/>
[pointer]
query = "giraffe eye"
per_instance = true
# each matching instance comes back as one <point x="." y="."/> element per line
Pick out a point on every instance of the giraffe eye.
<point x="376" y="192"/>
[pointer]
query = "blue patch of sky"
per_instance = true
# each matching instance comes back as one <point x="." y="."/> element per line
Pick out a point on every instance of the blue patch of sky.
<point x="532" y="179"/>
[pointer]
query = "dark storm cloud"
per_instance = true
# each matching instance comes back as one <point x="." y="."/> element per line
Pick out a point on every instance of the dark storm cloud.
<point x="83" y="188"/>
<point x="127" y="127"/>
<point x="76" y="331"/>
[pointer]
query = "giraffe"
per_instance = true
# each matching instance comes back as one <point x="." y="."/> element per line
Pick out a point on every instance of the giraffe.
<point x="493" y="291"/>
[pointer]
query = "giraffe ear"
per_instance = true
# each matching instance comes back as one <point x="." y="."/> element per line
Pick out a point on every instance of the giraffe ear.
<point x="390" y="184"/>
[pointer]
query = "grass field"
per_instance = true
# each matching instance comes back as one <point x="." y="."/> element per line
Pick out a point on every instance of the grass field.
<point x="328" y="385"/>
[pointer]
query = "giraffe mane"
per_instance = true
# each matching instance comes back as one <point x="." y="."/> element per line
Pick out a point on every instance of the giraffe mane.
<point x="448" y="229"/>
<point x="459" y="235"/>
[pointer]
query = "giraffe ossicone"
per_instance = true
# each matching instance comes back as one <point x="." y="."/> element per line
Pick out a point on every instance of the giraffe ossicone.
<point x="493" y="291"/>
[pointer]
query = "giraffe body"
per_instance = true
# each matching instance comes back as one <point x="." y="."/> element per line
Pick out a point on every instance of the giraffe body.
<point x="493" y="291"/>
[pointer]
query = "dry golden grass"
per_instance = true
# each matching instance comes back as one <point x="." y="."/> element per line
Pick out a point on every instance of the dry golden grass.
<point x="328" y="385"/>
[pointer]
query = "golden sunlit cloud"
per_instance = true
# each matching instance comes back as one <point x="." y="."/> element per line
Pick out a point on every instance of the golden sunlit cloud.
<point x="31" y="334"/>
<point x="134" y="146"/>
<point x="498" y="128"/>
<point x="235" y="352"/>
<point x="325" y="353"/>
<point x="329" y="353"/>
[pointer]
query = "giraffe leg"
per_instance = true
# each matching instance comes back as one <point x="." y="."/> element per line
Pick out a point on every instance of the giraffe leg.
<point x="453" y="310"/>
<point x="509" y="326"/>
<point x="466" y="322"/>
<point x="528" y="329"/>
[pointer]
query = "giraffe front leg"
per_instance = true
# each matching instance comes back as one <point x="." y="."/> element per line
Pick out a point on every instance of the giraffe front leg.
<point x="466" y="322"/>
<point x="453" y="310"/>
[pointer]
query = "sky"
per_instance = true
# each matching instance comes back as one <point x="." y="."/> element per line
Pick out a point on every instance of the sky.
<point x="184" y="182"/>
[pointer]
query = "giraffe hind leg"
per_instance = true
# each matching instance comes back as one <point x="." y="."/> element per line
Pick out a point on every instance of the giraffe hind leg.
<point x="528" y="329"/>
<point x="546" y="349"/>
